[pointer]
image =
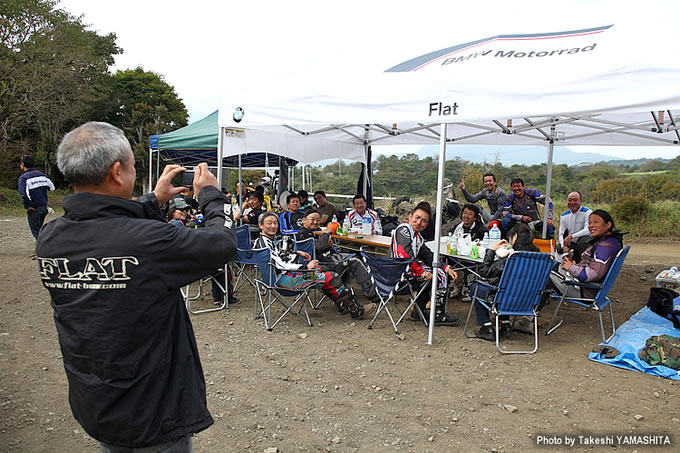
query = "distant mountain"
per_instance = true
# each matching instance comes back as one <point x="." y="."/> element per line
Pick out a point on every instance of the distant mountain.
<point x="525" y="155"/>
<point x="508" y="156"/>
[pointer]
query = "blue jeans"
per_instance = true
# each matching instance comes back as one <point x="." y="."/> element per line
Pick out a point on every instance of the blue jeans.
<point x="183" y="445"/>
<point x="481" y="313"/>
<point x="36" y="217"/>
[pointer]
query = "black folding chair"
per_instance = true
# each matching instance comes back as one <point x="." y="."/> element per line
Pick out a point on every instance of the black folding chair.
<point x="389" y="277"/>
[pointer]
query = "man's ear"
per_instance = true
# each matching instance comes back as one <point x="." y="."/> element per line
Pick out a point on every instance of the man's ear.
<point x="116" y="173"/>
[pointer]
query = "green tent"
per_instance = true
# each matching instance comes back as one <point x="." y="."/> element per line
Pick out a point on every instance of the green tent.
<point x="201" y="134"/>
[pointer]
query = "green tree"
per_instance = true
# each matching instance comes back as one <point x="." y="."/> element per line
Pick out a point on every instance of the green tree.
<point x="652" y="165"/>
<point x="53" y="76"/>
<point x="144" y="105"/>
<point x="652" y="187"/>
<point x="610" y="190"/>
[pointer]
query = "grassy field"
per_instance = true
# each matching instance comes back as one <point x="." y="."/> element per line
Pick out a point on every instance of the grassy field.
<point x="10" y="202"/>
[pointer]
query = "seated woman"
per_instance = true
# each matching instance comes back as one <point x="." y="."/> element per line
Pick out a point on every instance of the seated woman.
<point x="596" y="260"/>
<point x="520" y="239"/>
<point x="287" y="277"/>
<point x="178" y="211"/>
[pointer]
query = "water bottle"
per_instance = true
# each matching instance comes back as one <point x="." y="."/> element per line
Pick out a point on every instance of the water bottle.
<point x="366" y="225"/>
<point x="672" y="271"/>
<point x="485" y="241"/>
<point x="345" y="226"/>
<point x="334" y="219"/>
<point x="494" y="235"/>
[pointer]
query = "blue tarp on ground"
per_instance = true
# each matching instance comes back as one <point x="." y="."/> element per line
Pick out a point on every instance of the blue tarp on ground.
<point x="630" y="339"/>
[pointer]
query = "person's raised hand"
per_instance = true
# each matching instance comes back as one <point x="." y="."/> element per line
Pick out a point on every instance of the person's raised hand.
<point x="164" y="189"/>
<point x="203" y="178"/>
<point x="461" y="185"/>
<point x="499" y="244"/>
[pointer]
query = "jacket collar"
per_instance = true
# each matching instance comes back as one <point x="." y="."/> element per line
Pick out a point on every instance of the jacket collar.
<point x="85" y="205"/>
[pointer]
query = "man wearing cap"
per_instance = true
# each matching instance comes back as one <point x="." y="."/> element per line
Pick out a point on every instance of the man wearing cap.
<point x="332" y="261"/>
<point x="178" y="210"/>
<point x="114" y="271"/>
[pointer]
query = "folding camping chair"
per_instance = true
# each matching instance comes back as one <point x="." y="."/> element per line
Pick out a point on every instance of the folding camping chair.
<point x="389" y="277"/>
<point x="518" y="293"/>
<point x="308" y="246"/>
<point x="597" y="303"/>
<point x="244" y="266"/>
<point x="221" y="283"/>
<point x="545" y="245"/>
<point x="268" y="294"/>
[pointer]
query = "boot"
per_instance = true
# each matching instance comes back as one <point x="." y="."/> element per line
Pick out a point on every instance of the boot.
<point x="441" y="318"/>
<point x="356" y="310"/>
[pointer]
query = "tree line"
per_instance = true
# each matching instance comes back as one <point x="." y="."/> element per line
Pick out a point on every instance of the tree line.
<point x="55" y="75"/>
<point x="395" y="176"/>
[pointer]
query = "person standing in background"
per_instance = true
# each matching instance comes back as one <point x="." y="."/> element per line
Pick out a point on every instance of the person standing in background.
<point x="33" y="187"/>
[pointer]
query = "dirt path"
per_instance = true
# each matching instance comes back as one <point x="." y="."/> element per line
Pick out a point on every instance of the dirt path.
<point x="344" y="388"/>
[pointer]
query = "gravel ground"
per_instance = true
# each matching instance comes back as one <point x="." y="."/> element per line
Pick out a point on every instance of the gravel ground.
<point x="340" y="387"/>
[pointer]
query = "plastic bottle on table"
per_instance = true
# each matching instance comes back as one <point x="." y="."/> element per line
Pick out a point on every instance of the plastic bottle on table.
<point x="334" y="219"/>
<point x="345" y="226"/>
<point x="451" y="245"/>
<point x="366" y="225"/>
<point x="486" y="241"/>
<point x="494" y="236"/>
<point x="475" y="251"/>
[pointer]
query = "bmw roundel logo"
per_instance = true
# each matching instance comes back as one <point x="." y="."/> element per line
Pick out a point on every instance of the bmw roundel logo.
<point x="238" y="114"/>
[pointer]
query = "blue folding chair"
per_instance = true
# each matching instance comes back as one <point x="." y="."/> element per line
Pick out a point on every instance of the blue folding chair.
<point x="597" y="303"/>
<point x="389" y="277"/>
<point x="268" y="293"/>
<point x="518" y="293"/>
<point x="308" y="246"/>
<point x="245" y="269"/>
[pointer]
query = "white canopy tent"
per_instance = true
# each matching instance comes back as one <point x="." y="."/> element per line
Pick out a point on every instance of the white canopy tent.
<point x="610" y="85"/>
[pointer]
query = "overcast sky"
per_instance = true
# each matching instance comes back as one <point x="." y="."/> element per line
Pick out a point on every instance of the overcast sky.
<point x="202" y="47"/>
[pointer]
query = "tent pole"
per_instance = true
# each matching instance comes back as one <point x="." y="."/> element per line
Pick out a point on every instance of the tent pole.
<point x="239" y="197"/>
<point x="158" y="164"/>
<point x="220" y="156"/>
<point x="150" y="169"/>
<point x="365" y="167"/>
<point x="303" y="178"/>
<point x="437" y="230"/>
<point x="551" y="144"/>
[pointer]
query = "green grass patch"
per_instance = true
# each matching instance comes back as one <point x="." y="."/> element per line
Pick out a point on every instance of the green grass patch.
<point x="11" y="205"/>
<point x="645" y="173"/>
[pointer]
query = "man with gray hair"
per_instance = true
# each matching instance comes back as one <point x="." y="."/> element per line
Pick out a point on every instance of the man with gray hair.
<point x="114" y="271"/>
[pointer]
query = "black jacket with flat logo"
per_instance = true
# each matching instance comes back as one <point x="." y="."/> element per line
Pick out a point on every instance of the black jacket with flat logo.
<point x="114" y="271"/>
